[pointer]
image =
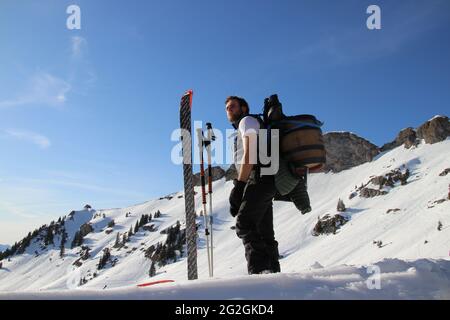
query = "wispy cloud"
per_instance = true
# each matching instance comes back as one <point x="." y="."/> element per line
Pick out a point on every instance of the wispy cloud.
<point x="81" y="71"/>
<point x="44" y="89"/>
<point x="80" y="185"/>
<point x="41" y="141"/>
<point x="79" y="46"/>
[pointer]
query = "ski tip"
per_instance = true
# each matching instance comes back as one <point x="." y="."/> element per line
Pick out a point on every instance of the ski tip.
<point x="189" y="93"/>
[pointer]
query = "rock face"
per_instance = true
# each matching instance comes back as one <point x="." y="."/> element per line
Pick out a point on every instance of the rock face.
<point x="329" y="225"/>
<point x="346" y="150"/>
<point x="434" y="130"/>
<point x="407" y="136"/>
<point x="370" y="193"/>
<point x="217" y="174"/>
<point x="85" y="229"/>
<point x="391" y="178"/>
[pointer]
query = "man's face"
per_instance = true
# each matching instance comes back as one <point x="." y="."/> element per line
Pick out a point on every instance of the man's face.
<point x="233" y="109"/>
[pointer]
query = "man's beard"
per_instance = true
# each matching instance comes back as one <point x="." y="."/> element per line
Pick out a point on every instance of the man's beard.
<point x="235" y="117"/>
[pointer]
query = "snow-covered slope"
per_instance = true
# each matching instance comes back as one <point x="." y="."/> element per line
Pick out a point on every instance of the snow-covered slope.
<point x="421" y="279"/>
<point x="413" y="258"/>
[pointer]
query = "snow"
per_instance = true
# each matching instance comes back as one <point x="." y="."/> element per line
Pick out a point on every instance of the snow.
<point x="3" y="247"/>
<point x="437" y="116"/>
<point x="421" y="279"/>
<point x="414" y="259"/>
<point x="350" y="132"/>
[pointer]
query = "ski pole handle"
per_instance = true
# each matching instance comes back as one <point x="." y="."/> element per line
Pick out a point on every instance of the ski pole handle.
<point x="210" y="131"/>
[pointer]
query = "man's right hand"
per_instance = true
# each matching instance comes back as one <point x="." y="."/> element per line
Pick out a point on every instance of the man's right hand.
<point x="236" y="196"/>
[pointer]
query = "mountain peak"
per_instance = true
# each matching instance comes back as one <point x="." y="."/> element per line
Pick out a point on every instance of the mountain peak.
<point x="431" y="131"/>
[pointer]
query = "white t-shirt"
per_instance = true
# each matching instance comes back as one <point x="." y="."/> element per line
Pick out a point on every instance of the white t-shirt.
<point x="248" y="126"/>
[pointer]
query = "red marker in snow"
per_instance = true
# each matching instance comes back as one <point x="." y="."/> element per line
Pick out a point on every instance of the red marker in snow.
<point x="154" y="282"/>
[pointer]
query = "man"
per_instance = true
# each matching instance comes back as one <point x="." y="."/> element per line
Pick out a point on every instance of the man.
<point x="252" y="195"/>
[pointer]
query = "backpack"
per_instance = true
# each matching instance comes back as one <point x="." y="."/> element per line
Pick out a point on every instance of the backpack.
<point x="301" y="139"/>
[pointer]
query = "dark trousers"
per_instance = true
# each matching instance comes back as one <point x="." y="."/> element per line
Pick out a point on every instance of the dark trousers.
<point x="254" y="225"/>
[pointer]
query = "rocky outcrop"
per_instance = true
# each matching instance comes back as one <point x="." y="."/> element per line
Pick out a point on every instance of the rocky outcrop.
<point x="85" y="229"/>
<point x="346" y="150"/>
<point x="329" y="225"/>
<point x="217" y="174"/>
<point x="391" y="178"/>
<point x="370" y="193"/>
<point x="434" y="130"/>
<point x="407" y="137"/>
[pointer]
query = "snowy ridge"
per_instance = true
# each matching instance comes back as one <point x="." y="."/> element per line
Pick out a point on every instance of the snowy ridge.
<point x="413" y="259"/>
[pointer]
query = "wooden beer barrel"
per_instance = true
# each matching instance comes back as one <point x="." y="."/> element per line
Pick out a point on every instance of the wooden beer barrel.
<point x="302" y="143"/>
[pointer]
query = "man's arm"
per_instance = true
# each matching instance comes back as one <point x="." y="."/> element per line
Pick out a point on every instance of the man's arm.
<point x="246" y="166"/>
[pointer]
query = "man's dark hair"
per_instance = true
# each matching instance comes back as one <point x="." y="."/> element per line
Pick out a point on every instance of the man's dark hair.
<point x="241" y="101"/>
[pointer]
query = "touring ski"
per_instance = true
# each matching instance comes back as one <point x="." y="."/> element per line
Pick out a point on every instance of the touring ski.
<point x="191" y="228"/>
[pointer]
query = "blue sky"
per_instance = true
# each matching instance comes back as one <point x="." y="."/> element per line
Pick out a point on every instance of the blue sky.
<point x="86" y="115"/>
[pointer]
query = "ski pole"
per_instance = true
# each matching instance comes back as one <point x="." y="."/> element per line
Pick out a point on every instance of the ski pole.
<point x="202" y="179"/>
<point x="210" y="137"/>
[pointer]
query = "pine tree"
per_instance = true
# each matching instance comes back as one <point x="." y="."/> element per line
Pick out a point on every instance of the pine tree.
<point x="130" y="232"/>
<point x="145" y="220"/>
<point x="77" y="240"/>
<point x="62" y="251"/>
<point x="62" y="245"/>
<point x="136" y="228"/>
<point x="152" y="271"/>
<point x="439" y="226"/>
<point x="85" y="254"/>
<point x="104" y="259"/>
<point x="163" y="256"/>
<point x="49" y="236"/>
<point x="117" y="243"/>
